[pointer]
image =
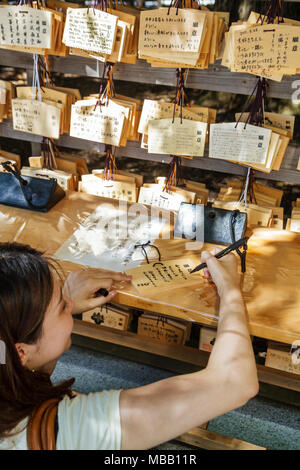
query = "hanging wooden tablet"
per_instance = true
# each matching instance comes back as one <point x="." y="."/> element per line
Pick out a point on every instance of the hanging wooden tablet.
<point x="35" y="115"/>
<point x="26" y="26"/>
<point x="6" y="95"/>
<point x="182" y="35"/>
<point x="90" y="29"/>
<point x="269" y="39"/>
<point x="101" y="119"/>
<point x="111" y="316"/>
<point x="176" y="136"/>
<point x="163" y="329"/>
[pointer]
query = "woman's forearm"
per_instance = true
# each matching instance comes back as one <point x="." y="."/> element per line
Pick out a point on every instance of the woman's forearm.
<point x="233" y="349"/>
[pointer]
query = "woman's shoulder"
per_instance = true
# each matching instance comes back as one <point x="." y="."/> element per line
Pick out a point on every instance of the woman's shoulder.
<point x="90" y="421"/>
<point x="78" y="401"/>
<point x="85" y="421"/>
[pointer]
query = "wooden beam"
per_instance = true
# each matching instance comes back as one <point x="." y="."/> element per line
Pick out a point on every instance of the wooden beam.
<point x="288" y="171"/>
<point x="215" y="78"/>
<point x="181" y="353"/>
<point x="135" y="341"/>
<point x="211" y="440"/>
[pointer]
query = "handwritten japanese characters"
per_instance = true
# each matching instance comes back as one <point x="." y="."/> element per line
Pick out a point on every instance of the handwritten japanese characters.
<point x="163" y="329"/>
<point x="25" y="26"/>
<point x="239" y="144"/>
<point x="36" y="117"/>
<point x="167" y="31"/>
<point x="274" y="48"/>
<point x="171" y="200"/>
<point x="96" y="123"/>
<point x="267" y="50"/>
<point x="165" y="275"/>
<point x="121" y="190"/>
<point x="90" y="29"/>
<point x="172" y="37"/>
<point x="181" y="137"/>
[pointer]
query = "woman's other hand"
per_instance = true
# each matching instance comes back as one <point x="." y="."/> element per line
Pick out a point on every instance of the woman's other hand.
<point x="223" y="272"/>
<point x="81" y="287"/>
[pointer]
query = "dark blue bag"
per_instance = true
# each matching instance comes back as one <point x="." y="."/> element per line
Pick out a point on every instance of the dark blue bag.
<point x="26" y="192"/>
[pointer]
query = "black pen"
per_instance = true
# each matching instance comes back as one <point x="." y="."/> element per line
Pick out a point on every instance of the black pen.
<point x="102" y="292"/>
<point x="222" y="253"/>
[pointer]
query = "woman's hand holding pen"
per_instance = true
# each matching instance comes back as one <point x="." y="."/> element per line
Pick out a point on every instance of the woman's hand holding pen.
<point x="223" y="272"/>
<point x="82" y="286"/>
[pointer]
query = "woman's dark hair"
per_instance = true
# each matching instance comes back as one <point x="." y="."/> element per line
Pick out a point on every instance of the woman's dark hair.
<point x="26" y="288"/>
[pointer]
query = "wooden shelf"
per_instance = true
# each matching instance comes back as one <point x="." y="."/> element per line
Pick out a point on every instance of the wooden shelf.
<point x="181" y="353"/>
<point x="288" y="171"/>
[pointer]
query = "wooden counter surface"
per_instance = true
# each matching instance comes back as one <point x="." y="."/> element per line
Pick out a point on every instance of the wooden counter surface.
<point x="270" y="286"/>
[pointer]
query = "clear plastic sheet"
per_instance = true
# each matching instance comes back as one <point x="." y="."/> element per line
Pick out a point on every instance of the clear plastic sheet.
<point x="270" y="286"/>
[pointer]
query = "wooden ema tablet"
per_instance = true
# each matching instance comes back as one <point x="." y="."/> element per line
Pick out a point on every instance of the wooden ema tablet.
<point x="90" y="29"/>
<point x="273" y="120"/>
<point x="51" y="95"/>
<point x="153" y="194"/>
<point x="6" y="95"/>
<point x="257" y="215"/>
<point x="124" y="45"/>
<point x="234" y="142"/>
<point x="113" y="188"/>
<point x="177" y="136"/>
<point x="279" y="356"/>
<point x="109" y="316"/>
<point x="37" y="117"/>
<point x="163" y="329"/>
<point x="278" y="53"/>
<point x="265" y="195"/>
<point x="15" y="27"/>
<point x="294" y="224"/>
<point x="103" y="124"/>
<point x="81" y="166"/>
<point x="46" y="37"/>
<point x="164" y="275"/>
<point x="207" y="338"/>
<point x="277" y="218"/>
<point x="65" y="180"/>
<point x="175" y="38"/>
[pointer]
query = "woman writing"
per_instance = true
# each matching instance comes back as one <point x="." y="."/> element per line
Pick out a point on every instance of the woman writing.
<point x="36" y="324"/>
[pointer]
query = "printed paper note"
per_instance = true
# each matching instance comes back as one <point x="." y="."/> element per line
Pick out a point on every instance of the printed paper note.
<point x="90" y="29"/>
<point x="25" y="26"/>
<point x="239" y="144"/>
<point x="177" y="138"/>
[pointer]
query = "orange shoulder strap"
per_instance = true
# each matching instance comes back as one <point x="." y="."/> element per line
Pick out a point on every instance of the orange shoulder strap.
<point x="40" y="428"/>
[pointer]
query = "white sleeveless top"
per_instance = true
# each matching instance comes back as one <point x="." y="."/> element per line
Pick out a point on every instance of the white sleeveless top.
<point x="85" y="422"/>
